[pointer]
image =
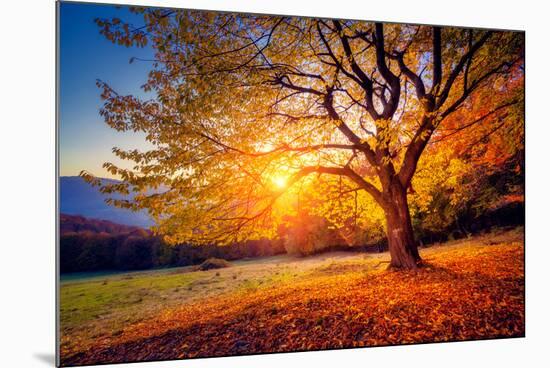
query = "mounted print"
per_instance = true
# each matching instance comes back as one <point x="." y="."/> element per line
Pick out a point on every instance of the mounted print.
<point x="235" y="184"/>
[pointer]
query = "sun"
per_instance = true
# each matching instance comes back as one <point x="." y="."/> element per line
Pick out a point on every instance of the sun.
<point x="279" y="182"/>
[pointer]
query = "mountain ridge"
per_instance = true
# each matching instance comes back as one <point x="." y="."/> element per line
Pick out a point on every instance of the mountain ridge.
<point x="77" y="197"/>
<point x="81" y="224"/>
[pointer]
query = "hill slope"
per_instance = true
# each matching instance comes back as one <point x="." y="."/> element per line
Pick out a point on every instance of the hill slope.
<point x="468" y="289"/>
<point x="78" y="224"/>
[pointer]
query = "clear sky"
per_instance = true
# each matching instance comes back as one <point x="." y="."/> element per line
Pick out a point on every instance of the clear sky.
<point x="85" y="55"/>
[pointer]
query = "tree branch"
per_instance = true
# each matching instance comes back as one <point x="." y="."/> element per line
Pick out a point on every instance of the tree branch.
<point x="414" y="150"/>
<point x="458" y="68"/>
<point x="342" y="171"/>
<point x="365" y="81"/>
<point x="437" y="67"/>
<point x="476" y="121"/>
<point x="412" y="76"/>
<point x="342" y="126"/>
<point x="391" y="79"/>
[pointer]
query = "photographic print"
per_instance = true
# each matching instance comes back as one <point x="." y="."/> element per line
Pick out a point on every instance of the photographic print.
<point x="236" y="184"/>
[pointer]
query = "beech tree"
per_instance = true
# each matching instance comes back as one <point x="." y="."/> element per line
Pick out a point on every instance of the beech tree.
<point x="243" y="109"/>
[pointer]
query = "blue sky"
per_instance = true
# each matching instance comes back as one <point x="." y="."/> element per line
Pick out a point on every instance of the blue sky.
<point x="85" y="55"/>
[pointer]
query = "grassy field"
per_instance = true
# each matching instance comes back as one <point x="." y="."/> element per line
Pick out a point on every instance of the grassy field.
<point x="468" y="289"/>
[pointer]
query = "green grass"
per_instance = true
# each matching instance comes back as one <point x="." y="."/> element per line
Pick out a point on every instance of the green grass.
<point x="106" y="302"/>
<point x="84" y="301"/>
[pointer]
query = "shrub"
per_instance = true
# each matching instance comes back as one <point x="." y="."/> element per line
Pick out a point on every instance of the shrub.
<point x="213" y="263"/>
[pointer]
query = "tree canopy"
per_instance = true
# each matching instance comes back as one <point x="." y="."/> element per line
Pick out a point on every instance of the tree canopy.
<point x="256" y="117"/>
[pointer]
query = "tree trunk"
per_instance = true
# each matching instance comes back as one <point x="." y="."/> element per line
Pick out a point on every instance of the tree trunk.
<point x="402" y="245"/>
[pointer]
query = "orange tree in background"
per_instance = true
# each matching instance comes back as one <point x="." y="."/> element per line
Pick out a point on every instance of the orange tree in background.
<point x="250" y="109"/>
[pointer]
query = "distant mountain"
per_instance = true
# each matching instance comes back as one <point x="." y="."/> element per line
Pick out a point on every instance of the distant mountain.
<point x="81" y="224"/>
<point x="77" y="197"/>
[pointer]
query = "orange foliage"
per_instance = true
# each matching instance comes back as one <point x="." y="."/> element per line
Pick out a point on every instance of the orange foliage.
<point x="463" y="293"/>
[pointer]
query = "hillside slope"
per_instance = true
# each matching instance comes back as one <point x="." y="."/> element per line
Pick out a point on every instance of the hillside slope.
<point x="469" y="289"/>
<point x="78" y="224"/>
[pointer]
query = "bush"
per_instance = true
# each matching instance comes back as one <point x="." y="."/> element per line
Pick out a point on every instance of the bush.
<point x="213" y="263"/>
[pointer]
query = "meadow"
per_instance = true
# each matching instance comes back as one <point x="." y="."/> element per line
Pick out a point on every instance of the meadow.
<point x="466" y="289"/>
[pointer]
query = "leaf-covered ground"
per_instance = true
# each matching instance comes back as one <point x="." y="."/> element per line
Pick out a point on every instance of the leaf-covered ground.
<point x="470" y="289"/>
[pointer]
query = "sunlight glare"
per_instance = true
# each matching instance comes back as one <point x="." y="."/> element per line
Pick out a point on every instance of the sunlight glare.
<point x="279" y="182"/>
